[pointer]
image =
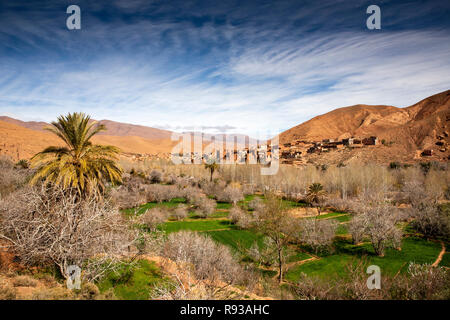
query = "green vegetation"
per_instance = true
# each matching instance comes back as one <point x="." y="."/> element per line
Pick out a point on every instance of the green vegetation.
<point x="197" y="225"/>
<point x="413" y="250"/>
<point x="133" y="283"/>
<point x="150" y="205"/>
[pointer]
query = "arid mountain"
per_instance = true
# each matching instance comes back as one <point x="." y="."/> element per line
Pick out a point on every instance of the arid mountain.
<point x="33" y="125"/>
<point x="20" y="142"/>
<point x="113" y="128"/>
<point x="405" y="131"/>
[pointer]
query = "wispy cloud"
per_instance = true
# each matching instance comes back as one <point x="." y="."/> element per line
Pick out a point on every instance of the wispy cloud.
<point x="219" y="68"/>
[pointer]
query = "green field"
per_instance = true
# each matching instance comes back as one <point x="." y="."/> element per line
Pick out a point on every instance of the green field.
<point x="333" y="264"/>
<point x="197" y="225"/>
<point x="135" y="283"/>
<point x="413" y="250"/>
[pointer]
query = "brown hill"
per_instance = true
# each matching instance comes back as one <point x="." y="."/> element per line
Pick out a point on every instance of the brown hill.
<point x="20" y="142"/>
<point x="33" y="125"/>
<point x="113" y="128"/>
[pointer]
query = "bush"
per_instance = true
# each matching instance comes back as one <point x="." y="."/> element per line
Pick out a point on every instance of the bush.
<point x="256" y="204"/>
<point x="159" y="193"/>
<point x="209" y="259"/>
<point x="235" y="214"/>
<point x="7" y="292"/>
<point x="24" y="281"/>
<point x="155" y="176"/>
<point x="57" y="293"/>
<point x="11" y="179"/>
<point x="205" y="206"/>
<point x="48" y="225"/>
<point x="378" y="222"/>
<point x="422" y="282"/>
<point x="395" y="165"/>
<point x="124" y="198"/>
<point x="181" y="212"/>
<point x="318" y="234"/>
<point x="230" y="194"/>
<point x="431" y="220"/>
<point x="89" y="291"/>
<point x="153" y="218"/>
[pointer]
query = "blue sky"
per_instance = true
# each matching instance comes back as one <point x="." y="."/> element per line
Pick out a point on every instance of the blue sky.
<point x="251" y="67"/>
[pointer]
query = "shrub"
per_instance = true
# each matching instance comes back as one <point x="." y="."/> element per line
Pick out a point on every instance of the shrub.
<point x="431" y="220"/>
<point x="124" y="198"/>
<point x="48" y="225"/>
<point x="256" y="204"/>
<point x="191" y="193"/>
<point x="153" y="218"/>
<point x="160" y="193"/>
<point x="23" y="163"/>
<point x="57" y="293"/>
<point x="235" y="214"/>
<point x="230" y="194"/>
<point x="209" y="259"/>
<point x="395" y="165"/>
<point x="422" y="282"/>
<point x="155" y="176"/>
<point x="11" y="179"/>
<point x="318" y="234"/>
<point x="357" y="227"/>
<point x="205" y="206"/>
<point x="378" y="222"/>
<point x="89" y="291"/>
<point x="24" y="281"/>
<point x="7" y="292"/>
<point x="181" y="212"/>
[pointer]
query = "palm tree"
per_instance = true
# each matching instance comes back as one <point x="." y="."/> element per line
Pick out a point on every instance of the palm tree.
<point x="212" y="166"/>
<point x="316" y="195"/>
<point x="79" y="165"/>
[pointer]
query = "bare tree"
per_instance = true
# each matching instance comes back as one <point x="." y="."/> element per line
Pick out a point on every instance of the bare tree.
<point x="378" y="222"/>
<point x="50" y="225"/>
<point x="318" y="234"/>
<point x="209" y="259"/>
<point x="153" y="218"/>
<point x="180" y="212"/>
<point x="273" y="222"/>
<point x="230" y="194"/>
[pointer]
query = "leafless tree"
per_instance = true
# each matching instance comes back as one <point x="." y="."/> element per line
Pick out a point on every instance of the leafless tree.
<point x="205" y="206"/>
<point x="230" y="194"/>
<point x="208" y="259"/>
<point x="430" y="218"/>
<point x="153" y="218"/>
<point x="378" y="222"/>
<point x="11" y="178"/>
<point x="46" y="225"/>
<point x="256" y="204"/>
<point x="316" y="233"/>
<point x="180" y="212"/>
<point x="273" y="222"/>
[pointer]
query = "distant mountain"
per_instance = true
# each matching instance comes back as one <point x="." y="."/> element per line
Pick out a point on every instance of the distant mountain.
<point x="406" y="131"/>
<point x="33" y="125"/>
<point x="20" y="142"/>
<point x="113" y="128"/>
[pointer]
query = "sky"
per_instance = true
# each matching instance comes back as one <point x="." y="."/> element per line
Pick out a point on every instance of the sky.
<point x="250" y="67"/>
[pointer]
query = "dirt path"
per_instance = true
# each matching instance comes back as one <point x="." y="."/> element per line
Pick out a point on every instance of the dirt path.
<point x="441" y="254"/>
